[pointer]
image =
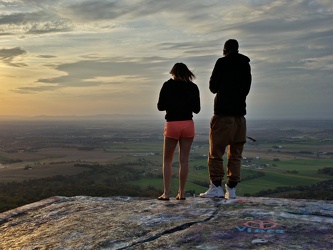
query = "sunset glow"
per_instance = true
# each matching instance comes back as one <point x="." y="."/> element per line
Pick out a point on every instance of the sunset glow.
<point x="87" y="57"/>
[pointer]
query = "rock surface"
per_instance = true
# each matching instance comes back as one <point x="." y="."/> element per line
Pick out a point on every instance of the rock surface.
<point x="141" y="223"/>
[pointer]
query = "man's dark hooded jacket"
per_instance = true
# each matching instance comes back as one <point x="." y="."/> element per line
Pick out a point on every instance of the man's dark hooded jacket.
<point x="231" y="81"/>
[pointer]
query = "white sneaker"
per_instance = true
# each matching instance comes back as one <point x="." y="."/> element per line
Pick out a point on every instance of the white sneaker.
<point x="230" y="193"/>
<point x="212" y="192"/>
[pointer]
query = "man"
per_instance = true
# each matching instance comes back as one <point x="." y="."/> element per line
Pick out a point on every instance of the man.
<point x="230" y="81"/>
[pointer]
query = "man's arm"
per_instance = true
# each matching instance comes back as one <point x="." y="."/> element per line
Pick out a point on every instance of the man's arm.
<point x="248" y="79"/>
<point x="196" y="106"/>
<point x="215" y="78"/>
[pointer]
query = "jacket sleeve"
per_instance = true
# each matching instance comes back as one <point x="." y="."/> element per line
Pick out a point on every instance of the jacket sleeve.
<point x="162" y="99"/>
<point x="248" y="79"/>
<point x="215" y="78"/>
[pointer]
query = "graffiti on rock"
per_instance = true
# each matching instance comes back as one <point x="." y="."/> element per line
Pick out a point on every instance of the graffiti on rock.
<point x="260" y="226"/>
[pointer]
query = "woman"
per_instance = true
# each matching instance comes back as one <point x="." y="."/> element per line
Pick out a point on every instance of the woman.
<point x="179" y="97"/>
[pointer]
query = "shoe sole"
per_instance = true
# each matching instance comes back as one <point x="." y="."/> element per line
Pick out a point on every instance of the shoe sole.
<point x="163" y="199"/>
<point x="203" y="196"/>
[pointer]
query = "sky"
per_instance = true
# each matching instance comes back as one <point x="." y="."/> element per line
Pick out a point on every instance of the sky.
<point x="90" y="57"/>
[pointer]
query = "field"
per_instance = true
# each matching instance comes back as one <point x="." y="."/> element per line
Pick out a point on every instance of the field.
<point x="286" y="154"/>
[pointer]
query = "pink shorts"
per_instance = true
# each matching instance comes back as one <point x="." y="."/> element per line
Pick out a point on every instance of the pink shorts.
<point x="178" y="129"/>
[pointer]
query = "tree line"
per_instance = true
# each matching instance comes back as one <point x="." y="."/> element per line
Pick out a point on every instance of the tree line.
<point x="112" y="180"/>
<point x="319" y="191"/>
<point x="99" y="180"/>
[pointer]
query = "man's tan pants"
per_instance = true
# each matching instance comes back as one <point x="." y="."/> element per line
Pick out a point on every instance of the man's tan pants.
<point x="226" y="131"/>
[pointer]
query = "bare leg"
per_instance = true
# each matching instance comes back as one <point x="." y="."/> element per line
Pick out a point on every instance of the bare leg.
<point x="168" y="152"/>
<point x="184" y="155"/>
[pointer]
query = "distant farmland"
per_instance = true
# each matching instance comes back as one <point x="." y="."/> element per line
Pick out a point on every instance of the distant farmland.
<point x="109" y="157"/>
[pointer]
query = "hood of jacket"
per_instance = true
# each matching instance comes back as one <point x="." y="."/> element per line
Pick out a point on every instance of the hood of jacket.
<point x="235" y="56"/>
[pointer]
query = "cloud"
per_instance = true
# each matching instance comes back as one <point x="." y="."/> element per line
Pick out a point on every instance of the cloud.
<point x="34" y="89"/>
<point x="46" y="56"/>
<point x="8" y="56"/>
<point x="93" y="10"/>
<point x="96" y="10"/>
<point x="97" y="72"/>
<point x="37" y="22"/>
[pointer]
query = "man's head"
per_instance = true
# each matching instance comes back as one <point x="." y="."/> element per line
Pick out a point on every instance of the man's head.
<point x="230" y="46"/>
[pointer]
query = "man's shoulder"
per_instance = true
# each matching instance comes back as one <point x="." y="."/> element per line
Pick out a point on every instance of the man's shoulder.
<point x="236" y="57"/>
<point x="244" y="58"/>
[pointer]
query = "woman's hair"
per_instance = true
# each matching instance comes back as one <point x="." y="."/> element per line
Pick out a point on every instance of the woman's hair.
<point x="181" y="72"/>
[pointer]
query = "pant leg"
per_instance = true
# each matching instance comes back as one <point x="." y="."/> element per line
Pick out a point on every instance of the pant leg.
<point x="235" y="150"/>
<point x="219" y="136"/>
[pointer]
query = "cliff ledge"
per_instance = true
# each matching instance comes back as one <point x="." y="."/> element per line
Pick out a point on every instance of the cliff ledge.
<point x="143" y="223"/>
